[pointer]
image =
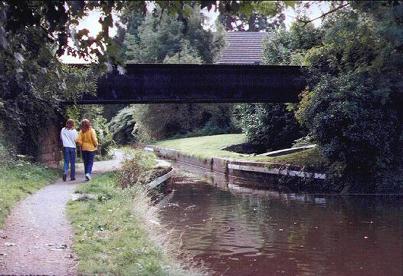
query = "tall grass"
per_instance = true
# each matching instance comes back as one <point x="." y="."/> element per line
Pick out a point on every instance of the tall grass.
<point x="119" y="233"/>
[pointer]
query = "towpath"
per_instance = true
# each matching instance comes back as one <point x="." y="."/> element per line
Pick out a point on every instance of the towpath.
<point x="37" y="236"/>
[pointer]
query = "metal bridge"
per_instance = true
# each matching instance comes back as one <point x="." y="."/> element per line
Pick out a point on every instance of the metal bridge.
<point x="193" y="83"/>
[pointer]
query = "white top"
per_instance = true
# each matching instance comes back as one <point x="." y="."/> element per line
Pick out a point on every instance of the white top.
<point x="68" y="137"/>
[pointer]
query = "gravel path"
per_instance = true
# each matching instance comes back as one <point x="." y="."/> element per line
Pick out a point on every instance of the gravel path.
<point x="37" y="237"/>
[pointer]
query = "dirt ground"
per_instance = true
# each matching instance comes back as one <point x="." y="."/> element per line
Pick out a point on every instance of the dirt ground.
<point x="37" y="236"/>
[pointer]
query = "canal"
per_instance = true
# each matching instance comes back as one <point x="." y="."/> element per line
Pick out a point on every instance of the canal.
<point x="233" y="230"/>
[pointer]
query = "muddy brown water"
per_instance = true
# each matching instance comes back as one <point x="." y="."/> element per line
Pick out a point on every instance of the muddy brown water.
<point x="242" y="231"/>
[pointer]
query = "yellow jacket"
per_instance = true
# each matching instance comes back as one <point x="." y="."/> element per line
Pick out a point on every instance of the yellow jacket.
<point x="88" y="140"/>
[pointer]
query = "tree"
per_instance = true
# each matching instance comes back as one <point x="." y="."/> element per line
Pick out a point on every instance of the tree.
<point x="288" y="47"/>
<point x="56" y="21"/>
<point x="254" y="16"/>
<point x="273" y="125"/>
<point x="33" y="34"/>
<point x="31" y="87"/>
<point x="161" y="38"/>
<point x="186" y="55"/>
<point x="353" y="104"/>
<point x="161" y="35"/>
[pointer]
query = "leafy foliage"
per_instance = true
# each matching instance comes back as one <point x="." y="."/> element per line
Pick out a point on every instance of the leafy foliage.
<point x="288" y="47"/>
<point x="34" y="33"/>
<point x="254" y="17"/>
<point x="32" y="80"/>
<point x="56" y="23"/>
<point x="160" y="121"/>
<point x="98" y="122"/>
<point x="162" y="38"/>
<point x="30" y="99"/>
<point x="274" y="126"/>
<point x="161" y="35"/>
<point x="122" y="126"/>
<point x="353" y="106"/>
<point x="268" y="125"/>
<point x="186" y="55"/>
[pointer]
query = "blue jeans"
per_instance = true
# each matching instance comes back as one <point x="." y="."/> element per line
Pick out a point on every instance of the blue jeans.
<point x="88" y="158"/>
<point x="70" y="159"/>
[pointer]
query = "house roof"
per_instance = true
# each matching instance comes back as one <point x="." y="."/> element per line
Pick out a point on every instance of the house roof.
<point x="243" y="48"/>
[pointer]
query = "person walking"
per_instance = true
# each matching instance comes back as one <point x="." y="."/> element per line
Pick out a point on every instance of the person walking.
<point x="88" y="141"/>
<point x="68" y="135"/>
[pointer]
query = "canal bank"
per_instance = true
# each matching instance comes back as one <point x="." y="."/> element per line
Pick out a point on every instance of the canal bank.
<point x="284" y="177"/>
<point x="116" y="223"/>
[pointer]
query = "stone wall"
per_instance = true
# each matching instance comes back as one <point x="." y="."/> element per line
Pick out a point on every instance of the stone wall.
<point x="281" y="177"/>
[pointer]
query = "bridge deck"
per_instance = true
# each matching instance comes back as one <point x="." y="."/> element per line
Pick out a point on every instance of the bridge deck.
<point x="181" y="83"/>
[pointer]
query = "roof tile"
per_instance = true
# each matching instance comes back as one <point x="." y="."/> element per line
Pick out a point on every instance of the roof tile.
<point x="243" y="48"/>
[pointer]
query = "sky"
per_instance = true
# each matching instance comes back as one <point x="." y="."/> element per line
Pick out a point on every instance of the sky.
<point x="317" y="9"/>
<point x="91" y="23"/>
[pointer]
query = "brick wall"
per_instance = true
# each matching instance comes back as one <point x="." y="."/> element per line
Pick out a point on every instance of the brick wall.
<point x="50" y="151"/>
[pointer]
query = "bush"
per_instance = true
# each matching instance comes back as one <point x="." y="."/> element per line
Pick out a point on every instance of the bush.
<point x="122" y="126"/>
<point x="161" y="121"/>
<point x="4" y="151"/>
<point x="268" y="125"/>
<point x="134" y="168"/>
<point x="356" y="133"/>
<point x="354" y="106"/>
<point x="274" y="126"/>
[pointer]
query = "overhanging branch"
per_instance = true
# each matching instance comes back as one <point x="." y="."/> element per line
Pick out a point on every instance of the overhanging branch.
<point x="324" y="14"/>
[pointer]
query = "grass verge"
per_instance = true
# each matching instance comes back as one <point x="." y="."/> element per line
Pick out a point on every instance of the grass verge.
<point x="118" y="233"/>
<point x="211" y="146"/>
<point x="19" y="179"/>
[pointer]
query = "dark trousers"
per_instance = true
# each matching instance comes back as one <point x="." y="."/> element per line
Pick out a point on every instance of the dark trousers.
<point x="70" y="160"/>
<point x="88" y="158"/>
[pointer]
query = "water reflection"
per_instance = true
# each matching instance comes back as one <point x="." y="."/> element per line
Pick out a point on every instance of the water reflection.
<point x="240" y="231"/>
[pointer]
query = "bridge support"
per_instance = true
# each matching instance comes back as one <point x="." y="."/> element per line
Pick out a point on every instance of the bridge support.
<point x="50" y="149"/>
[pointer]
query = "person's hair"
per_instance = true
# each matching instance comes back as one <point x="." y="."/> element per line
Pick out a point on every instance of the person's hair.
<point x="70" y="123"/>
<point x="85" y="125"/>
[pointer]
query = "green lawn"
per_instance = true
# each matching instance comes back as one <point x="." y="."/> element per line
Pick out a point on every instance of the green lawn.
<point x="211" y="146"/>
<point x="114" y="235"/>
<point x="206" y="146"/>
<point x="17" y="180"/>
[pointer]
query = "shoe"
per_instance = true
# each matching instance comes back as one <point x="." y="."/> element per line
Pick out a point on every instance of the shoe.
<point x="72" y="179"/>
<point x="64" y="177"/>
<point x="87" y="177"/>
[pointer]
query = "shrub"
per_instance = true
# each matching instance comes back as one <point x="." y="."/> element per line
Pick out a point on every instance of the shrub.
<point x="356" y="133"/>
<point x="134" y="168"/>
<point x="268" y="125"/>
<point x="4" y="152"/>
<point x="122" y="126"/>
<point x="161" y="121"/>
<point x="354" y="106"/>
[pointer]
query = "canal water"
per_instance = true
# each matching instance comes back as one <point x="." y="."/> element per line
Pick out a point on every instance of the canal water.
<point x="240" y="231"/>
